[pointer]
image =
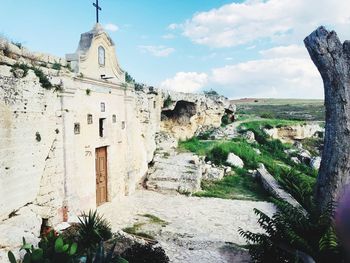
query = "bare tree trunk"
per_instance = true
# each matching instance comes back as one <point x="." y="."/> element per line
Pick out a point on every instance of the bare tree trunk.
<point x="332" y="58"/>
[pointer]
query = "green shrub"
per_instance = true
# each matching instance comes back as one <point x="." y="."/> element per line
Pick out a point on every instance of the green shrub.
<point x="218" y="155"/>
<point x="205" y="135"/>
<point x="211" y="92"/>
<point x="145" y="253"/>
<point x="57" y="66"/>
<point x="291" y="235"/>
<point x="225" y="120"/>
<point x="18" y="44"/>
<point x="43" y="79"/>
<point x="167" y="102"/>
<point x="128" y="78"/>
<point x="267" y="115"/>
<point x="139" y="86"/>
<point x="21" y="66"/>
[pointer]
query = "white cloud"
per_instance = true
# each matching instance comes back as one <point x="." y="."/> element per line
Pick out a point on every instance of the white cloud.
<point x="186" y="82"/>
<point x="292" y="51"/>
<point x="283" y="77"/>
<point x="111" y="27"/>
<point x="157" y="51"/>
<point x="173" y="26"/>
<point x="277" y="20"/>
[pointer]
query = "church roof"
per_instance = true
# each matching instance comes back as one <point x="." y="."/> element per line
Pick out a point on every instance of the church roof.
<point x="86" y="38"/>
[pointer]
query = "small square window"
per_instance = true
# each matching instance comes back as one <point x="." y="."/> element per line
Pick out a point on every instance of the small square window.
<point x="76" y="128"/>
<point x="89" y="119"/>
<point x="103" y="107"/>
<point x="114" y="118"/>
<point x="123" y="125"/>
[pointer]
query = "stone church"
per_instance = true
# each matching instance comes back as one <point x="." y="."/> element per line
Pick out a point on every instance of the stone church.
<point x="74" y="134"/>
<point x="75" y="146"/>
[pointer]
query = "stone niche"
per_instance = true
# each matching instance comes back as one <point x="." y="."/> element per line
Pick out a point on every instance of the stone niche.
<point x="181" y="114"/>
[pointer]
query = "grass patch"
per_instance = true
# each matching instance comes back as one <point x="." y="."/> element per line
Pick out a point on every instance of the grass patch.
<point x="311" y="110"/>
<point x="155" y="220"/>
<point x="240" y="186"/>
<point x="312" y="145"/>
<point x="298" y="179"/>
<point x="56" y="66"/>
<point x="268" y="124"/>
<point x="196" y="146"/>
<point x="135" y="230"/>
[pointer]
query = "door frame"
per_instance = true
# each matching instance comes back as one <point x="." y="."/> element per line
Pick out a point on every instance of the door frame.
<point x="106" y="169"/>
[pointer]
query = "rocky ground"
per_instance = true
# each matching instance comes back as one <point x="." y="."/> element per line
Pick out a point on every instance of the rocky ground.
<point x="195" y="229"/>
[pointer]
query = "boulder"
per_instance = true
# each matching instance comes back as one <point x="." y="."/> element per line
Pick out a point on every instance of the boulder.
<point x="214" y="174"/>
<point x="18" y="73"/>
<point x="298" y="145"/>
<point x="315" y="162"/>
<point x="234" y="160"/>
<point x="271" y="185"/>
<point x="228" y="170"/>
<point x="258" y="152"/>
<point x="249" y="136"/>
<point x="295" y="160"/>
<point x="304" y="156"/>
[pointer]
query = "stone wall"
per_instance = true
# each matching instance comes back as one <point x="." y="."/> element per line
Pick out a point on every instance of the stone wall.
<point x="30" y="152"/>
<point x="47" y="168"/>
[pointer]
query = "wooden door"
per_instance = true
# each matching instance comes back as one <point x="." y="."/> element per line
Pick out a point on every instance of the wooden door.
<point x="101" y="175"/>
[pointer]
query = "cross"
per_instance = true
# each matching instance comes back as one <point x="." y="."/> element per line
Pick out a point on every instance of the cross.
<point x="98" y="8"/>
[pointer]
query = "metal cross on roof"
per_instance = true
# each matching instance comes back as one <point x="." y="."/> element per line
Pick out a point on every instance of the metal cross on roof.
<point x="98" y="8"/>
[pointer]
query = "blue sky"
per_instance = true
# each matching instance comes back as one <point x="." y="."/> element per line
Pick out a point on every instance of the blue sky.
<point x="250" y="48"/>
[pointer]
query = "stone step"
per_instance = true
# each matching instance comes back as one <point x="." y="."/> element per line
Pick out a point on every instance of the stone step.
<point x="163" y="186"/>
<point x="174" y="176"/>
<point x="173" y="187"/>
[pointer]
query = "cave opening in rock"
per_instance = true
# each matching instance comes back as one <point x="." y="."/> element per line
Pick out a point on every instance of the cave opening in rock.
<point x="182" y="112"/>
<point x="228" y="117"/>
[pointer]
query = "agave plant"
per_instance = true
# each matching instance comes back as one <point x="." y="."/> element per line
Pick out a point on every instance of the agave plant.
<point x="92" y="229"/>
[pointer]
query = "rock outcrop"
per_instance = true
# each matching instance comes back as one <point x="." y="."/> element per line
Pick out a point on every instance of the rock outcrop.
<point x="183" y="113"/>
<point x="295" y="132"/>
<point x="272" y="186"/>
<point x="234" y="160"/>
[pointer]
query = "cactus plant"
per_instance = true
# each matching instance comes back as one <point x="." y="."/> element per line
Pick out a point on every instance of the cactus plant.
<point x="52" y="249"/>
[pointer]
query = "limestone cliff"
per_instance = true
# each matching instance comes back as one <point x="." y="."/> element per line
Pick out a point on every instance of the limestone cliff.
<point x="295" y="132"/>
<point x="183" y="114"/>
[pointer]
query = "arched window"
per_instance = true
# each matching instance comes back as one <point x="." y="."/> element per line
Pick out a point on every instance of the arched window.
<point x="101" y="56"/>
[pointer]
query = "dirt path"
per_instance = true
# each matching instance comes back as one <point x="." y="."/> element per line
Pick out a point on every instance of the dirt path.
<point x="198" y="229"/>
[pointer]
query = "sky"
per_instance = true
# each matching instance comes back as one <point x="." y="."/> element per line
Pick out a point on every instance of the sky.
<point x="249" y="48"/>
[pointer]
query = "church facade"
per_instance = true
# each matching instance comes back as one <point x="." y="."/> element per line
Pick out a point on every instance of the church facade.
<point x="78" y="145"/>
